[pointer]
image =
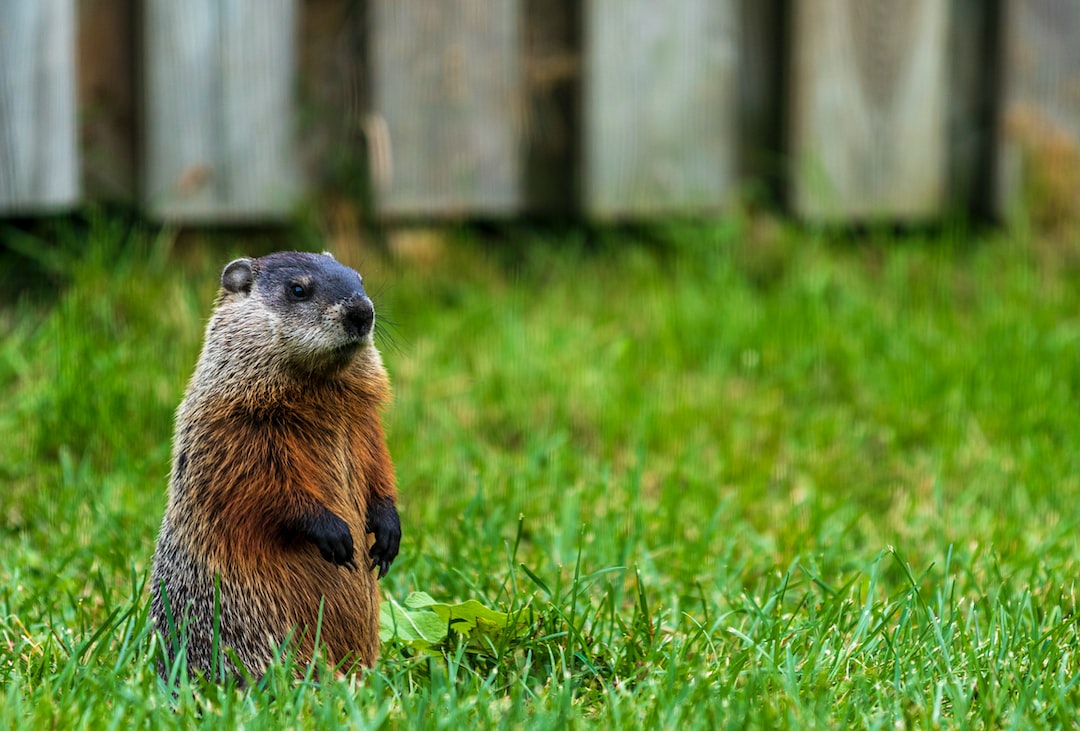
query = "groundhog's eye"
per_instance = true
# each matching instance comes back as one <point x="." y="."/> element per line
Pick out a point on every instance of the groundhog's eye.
<point x="298" y="291"/>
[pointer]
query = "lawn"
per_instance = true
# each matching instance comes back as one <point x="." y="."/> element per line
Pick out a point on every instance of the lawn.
<point x="742" y="474"/>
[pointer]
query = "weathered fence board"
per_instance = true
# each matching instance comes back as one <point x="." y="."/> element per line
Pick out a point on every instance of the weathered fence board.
<point x="1041" y="141"/>
<point x="869" y="119"/>
<point x="219" y="109"/>
<point x="447" y="101"/>
<point x="660" y="106"/>
<point x="39" y="167"/>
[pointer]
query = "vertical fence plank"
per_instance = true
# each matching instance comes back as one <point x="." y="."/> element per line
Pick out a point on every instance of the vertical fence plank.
<point x="39" y="168"/>
<point x="868" y="119"/>
<point x="446" y="98"/>
<point x="1041" y="143"/>
<point x="219" y="109"/>
<point x="660" y="85"/>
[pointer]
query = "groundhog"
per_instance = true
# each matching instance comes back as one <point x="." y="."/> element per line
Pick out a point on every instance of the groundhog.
<point x="282" y="498"/>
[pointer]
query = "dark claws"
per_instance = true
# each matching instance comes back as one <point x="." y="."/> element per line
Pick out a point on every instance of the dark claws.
<point x="384" y="523"/>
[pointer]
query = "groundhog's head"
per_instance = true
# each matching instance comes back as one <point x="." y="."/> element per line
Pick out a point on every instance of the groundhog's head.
<point x="312" y="308"/>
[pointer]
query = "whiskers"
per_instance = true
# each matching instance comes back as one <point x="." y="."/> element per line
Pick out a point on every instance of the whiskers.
<point x="388" y="335"/>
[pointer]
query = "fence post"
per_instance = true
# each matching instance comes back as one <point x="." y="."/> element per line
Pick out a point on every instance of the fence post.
<point x="660" y="106"/>
<point x="39" y="165"/>
<point x="447" y="107"/>
<point x="868" y="108"/>
<point x="219" y="114"/>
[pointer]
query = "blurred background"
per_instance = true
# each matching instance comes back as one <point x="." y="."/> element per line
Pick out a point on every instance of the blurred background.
<point x="223" y="111"/>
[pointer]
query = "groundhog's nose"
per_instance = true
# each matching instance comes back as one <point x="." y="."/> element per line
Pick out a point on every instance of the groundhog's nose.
<point x="359" y="315"/>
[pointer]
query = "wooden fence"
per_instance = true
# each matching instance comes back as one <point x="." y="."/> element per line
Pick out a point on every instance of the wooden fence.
<point x="241" y="110"/>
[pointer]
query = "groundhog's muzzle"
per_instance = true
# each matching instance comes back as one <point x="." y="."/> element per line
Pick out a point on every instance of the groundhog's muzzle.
<point x="358" y="316"/>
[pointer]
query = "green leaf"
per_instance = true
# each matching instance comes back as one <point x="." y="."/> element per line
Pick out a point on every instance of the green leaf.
<point x="419" y="629"/>
<point x="423" y="622"/>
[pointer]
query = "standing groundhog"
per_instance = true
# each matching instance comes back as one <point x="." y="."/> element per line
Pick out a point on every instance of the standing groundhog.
<point x="280" y="471"/>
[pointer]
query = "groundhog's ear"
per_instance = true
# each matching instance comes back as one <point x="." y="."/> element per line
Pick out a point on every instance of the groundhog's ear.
<point x="238" y="276"/>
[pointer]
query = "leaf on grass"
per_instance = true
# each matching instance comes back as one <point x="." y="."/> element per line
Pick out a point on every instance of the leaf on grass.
<point x="423" y="622"/>
<point x="418" y="628"/>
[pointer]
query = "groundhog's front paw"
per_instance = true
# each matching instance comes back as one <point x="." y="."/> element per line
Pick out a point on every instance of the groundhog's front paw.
<point x="331" y="535"/>
<point x="383" y="521"/>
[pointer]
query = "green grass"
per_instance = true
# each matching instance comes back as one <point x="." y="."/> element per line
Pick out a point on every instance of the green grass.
<point x="737" y="475"/>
